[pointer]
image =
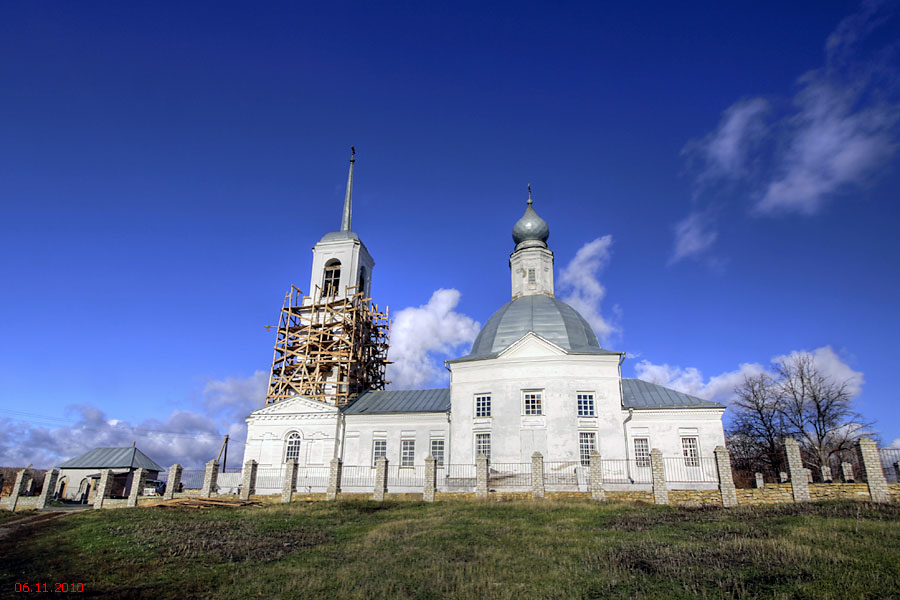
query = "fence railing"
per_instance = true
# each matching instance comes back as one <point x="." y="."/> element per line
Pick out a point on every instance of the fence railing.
<point x="456" y="478"/>
<point x="889" y="456"/>
<point x="622" y="471"/>
<point x="509" y="475"/>
<point x="311" y="477"/>
<point x="691" y="470"/>
<point x="269" y="478"/>
<point x="192" y="479"/>
<point x="358" y="477"/>
<point x="561" y="473"/>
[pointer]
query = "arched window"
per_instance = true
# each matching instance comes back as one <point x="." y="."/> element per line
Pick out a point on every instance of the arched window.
<point x="362" y="279"/>
<point x="293" y="447"/>
<point x="332" y="278"/>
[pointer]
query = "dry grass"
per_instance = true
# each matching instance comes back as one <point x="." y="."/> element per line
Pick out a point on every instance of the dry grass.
<point x="560" y="549"/>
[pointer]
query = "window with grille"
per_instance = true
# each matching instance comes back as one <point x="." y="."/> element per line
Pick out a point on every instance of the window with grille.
<point x="533" y="403"/>
<point x="483" y="444"/>
<point x="437" y="451"/>
<point x="292" y="451"/>
<point x="587" y="443"/>
<point x="379" y="448"/>
<point x="407" y="452"/>
<point x="585" y="405"/>
<point x="482" y="406"/>
<point x="531" y="276"/>
<point x="642" y="452"/>
<point x="332" y="278"/>
<point x="691" y="451"/>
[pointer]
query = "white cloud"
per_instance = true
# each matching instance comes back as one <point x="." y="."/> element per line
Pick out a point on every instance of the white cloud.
<point x="895" y="444"/>
<point x="582" y="287"/>
<point x="725" y="151"/>
<point x="189" y="437"/>
<point x="690" y="380"/>
<point x="720" y="388"/>
<point x="693" y="235"/>
<point x="419" y="334"/>
<point x="839" y="130"/>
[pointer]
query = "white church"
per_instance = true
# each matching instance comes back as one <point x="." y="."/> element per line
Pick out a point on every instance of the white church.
<point x="536" y="380"/>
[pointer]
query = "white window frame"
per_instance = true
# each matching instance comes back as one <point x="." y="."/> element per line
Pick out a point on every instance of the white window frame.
<point x="482" y="406"/>
<point x="537" y="402"/>
<point x="439" y="456"/>
<point x="588" y="399"/>
<point x="483" y="435"/>
<point x="641" y="455"/>
<point x="290" y="446"/>
<point x="407" y="453"/>
<point x="690" y="450"/>
<point x="375" y="451"/>
<point x="532" y="277"/>
<point x="585" y="450"/>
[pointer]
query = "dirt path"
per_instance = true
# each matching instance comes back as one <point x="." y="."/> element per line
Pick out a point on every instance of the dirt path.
<point x="27" y="523"/>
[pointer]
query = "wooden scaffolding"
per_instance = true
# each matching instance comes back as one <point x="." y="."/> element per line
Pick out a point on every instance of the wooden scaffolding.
<point x="328" y="349"/>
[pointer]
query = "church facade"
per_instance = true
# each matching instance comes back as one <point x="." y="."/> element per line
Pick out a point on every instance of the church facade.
<point x="536" y="380"/>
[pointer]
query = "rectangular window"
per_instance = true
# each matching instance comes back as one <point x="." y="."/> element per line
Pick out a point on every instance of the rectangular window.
<point x="483" y="444"/>
<point x="587" y="443"/>
<point x="531" y="276"/>
<point x="691" y="451"/>
<point x="533" y="403"/>
<point x="642" y="452"/>
<point x="585" y="405"/>
<point x="482" y="406"/>
<point x="379" y="448"/>
<point x="437" y="451"/>
<point x="407" y="452"/>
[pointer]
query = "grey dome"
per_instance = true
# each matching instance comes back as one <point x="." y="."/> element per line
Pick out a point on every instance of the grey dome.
<point x="548" y="317"/>
<point x="530" y="227"/>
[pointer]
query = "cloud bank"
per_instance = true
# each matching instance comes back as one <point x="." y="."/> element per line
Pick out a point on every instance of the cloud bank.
<point x="720" y="388"/>
<point x="580" y="283"/>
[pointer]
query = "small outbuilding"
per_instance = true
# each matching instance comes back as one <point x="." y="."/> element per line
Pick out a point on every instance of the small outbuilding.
<point x="78" y="477"/>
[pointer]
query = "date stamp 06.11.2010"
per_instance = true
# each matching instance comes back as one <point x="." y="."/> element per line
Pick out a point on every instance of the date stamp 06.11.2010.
<point x="47" y="588"/>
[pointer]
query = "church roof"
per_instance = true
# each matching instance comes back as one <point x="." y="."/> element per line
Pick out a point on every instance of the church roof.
<point x="375" y="402"/>
<point x="552" y="319"/>
<point x="637" y="393"/>
<point x="112" y="458"/>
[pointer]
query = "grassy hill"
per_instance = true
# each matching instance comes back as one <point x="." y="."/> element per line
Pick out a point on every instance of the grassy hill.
<point x="357" y="549"/>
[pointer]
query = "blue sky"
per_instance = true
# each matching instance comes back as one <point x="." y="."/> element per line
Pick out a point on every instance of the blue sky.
<point x="166" y="168"/>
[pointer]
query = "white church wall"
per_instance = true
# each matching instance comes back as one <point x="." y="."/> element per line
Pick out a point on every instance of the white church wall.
<point x="361" y="431"/>
<point x="555" y="433"/>
<point x="351" y="253"/>
<point x="665" y="429"/>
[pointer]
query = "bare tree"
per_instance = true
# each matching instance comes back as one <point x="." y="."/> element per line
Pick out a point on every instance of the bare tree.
<point x="818" y="409"/>
<point x="759" y="425"/>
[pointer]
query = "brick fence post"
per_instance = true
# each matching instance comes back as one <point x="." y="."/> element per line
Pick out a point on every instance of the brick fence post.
<point x="658" y="471"/>
<point x="596" y="477"/>
<point x="726" y="479"/>
<point x="799" y="478"/>
<point x="481" y="476"/>
<point x="537" y="475"/>
<point x="381" y="472"/>
<point x="870" y="461"/>
<point x="102" y="488"/>
<point x="210" y="479"/>
<point x="826" y="474"/>
<point x="173" y="482"/>
<point x="17" y="490"/>
<point x="760" y="481"/>
<point x="248" y="479"/>
<point x="430" y="478"/>
<point x="289" y="483"/>
<point x="47" y="491"/>
<point x="138" y="479"/>
<point x="847" y="472"/>
<point x="334" y="479"/>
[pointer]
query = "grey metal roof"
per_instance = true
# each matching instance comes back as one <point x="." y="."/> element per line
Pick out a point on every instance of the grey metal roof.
<point x="637" y="393"/>
<point x="375" y="402"/>
<point x="531" y="227"/>
<point x="339" y="236"/>
<point x="112" y="458"/>
<point x="552" y="319"/>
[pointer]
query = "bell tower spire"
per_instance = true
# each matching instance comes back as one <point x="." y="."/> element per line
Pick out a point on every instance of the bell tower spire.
<point x="531" y="263"/>
<point x="348" y="199"/>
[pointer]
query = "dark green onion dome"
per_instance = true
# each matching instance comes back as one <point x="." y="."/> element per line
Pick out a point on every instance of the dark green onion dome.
<point x="551" y="319"/>
<point x="531" y="228"/>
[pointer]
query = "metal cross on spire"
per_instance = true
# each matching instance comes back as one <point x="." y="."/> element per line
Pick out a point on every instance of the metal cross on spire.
<point x="529" y="193"/>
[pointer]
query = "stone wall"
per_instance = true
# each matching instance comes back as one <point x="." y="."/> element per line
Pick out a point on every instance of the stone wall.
<point x="695" y="497"/>
<point x="839" y="491"/>
<point x="773" y="493"/>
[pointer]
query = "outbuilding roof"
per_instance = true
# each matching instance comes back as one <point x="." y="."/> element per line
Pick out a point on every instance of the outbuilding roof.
<point x="637" y="393"/>
<point x="374" y="402"/>
<point x="112" y="458"/>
